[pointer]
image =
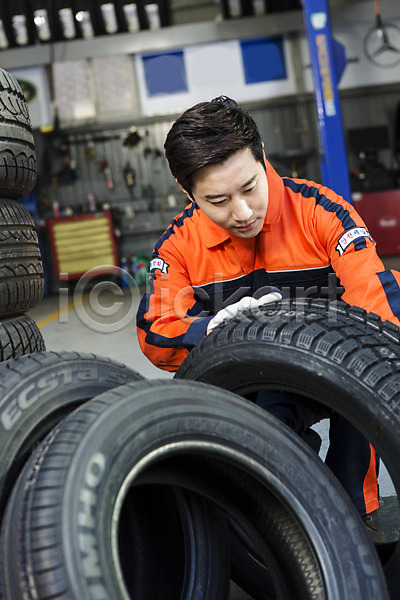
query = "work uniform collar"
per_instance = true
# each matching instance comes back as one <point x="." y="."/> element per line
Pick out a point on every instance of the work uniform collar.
<point x="213" y="234"/>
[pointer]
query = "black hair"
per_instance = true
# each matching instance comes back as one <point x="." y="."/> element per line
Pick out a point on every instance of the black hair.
<point x="208" y="134"/>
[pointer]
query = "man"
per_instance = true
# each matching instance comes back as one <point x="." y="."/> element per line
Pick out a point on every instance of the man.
<point x="248" y="229"/>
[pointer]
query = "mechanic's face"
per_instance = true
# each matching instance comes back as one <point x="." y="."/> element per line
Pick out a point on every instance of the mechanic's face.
<point x="234" y="194"/>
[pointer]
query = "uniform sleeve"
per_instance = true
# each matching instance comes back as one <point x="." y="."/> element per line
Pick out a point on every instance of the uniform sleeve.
<point x="354" y="258"/>
<point x="170" y="321"/>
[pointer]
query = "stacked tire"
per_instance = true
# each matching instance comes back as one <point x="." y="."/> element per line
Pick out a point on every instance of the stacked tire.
<point x="21" y="268"/>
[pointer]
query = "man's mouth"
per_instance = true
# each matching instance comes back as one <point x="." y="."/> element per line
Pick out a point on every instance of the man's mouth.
<point x="248" y="227"/>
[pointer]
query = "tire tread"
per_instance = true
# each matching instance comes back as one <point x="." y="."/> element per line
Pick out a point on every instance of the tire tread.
<point x="18" y="164"/>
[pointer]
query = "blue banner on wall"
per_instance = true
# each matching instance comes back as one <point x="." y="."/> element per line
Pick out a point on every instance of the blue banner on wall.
<point x="263" y="59"/>
<point x="165" y="73"/>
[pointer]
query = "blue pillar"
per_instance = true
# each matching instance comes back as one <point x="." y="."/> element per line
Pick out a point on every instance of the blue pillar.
<point x="333" y="159"/>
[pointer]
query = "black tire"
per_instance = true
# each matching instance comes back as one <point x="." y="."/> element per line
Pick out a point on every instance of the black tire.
<point x="255" y="514"/>
<point x="18" y="337"/>
<point x="248" y="570"/>
<point x="21" y="268"/>
<point x="341" y="356"/>
<point x="18" y="166"/>
<point x="151" y="513"/>
<point x="37" y="391"/>
<point x="96" y="454"/>
<point x="178" y="536"/>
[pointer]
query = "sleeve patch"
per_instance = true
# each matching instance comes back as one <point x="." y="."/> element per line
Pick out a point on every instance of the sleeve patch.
<point x="159" y="263"/>
<point x="350" y="236"/>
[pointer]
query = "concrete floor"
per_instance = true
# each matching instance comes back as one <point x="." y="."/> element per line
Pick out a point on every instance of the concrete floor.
<point x="102" y="321"/>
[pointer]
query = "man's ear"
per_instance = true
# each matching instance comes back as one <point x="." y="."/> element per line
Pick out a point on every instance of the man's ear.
<point x="265" y="158"/>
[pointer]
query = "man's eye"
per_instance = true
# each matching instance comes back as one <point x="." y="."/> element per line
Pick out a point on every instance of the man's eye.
<point x="219" y="203"/>
<point x="249" y="190"/>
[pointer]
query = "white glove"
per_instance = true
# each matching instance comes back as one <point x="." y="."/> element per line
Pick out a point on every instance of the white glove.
<point x="246" y="303"/>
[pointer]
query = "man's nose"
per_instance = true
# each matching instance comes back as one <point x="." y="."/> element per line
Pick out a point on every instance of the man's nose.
<point x="241" y="210"/>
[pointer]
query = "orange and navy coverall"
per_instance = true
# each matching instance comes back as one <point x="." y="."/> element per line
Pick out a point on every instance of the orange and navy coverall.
<point x="310" y="235"/>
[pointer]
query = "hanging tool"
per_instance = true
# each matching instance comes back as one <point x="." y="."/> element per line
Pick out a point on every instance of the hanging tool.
<point x="67" y="173"/>
<point x="90" y="151"/>
<point x="89" y="154"/>
<point x="129" y="177"/>
<point x="104" y="167"/>
<point x="382" y="42"/>
<point x="132" y="138"/>
<point x="151" y="155"/>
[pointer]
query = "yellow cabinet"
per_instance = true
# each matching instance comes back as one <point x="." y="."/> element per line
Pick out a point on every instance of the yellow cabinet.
<point x="82" y="243"/>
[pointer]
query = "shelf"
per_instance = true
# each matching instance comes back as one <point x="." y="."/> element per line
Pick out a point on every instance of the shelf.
<point x="162" y="39"/>
<point x="178" y="36"/>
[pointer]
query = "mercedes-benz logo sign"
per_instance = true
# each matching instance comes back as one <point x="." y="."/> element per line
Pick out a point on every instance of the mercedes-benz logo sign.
<point x="382" y="45"/>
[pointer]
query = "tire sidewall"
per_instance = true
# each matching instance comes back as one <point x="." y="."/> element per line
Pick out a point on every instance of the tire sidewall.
<point x="38" y="390"/>
<point x="109" y="458"/>
<point x="247" y="367"/>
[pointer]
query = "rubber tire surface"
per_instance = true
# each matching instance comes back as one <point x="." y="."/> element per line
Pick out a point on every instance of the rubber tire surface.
<point x="151" y="514"/>
<point x="256" y="513"/>
<point x="177" y="535"/>
<point x="37" y="391"/>
<point x="342" y="356"/>
<point x="20" y="336"/>
<point x="21" y="268"/>
<point x="96" y="453"/>
<point x="18" y="165"/>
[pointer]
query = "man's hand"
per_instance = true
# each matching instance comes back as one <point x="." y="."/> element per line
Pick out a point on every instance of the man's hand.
<point x="245" y="303"/>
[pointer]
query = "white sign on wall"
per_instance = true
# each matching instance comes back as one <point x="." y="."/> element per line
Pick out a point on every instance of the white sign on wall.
<point x="73" y="86"/>
<point x="35" y="85"/>
<point x="202" y="72"/>
<point x="114" y="83"/>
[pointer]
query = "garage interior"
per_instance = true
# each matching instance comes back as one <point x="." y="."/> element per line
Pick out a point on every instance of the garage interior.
<point x="104" y="193"/>
<point x="101" y="151"/>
